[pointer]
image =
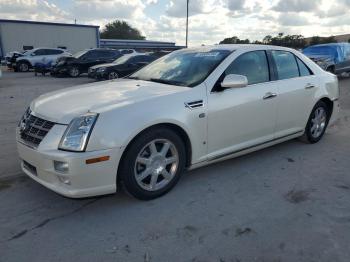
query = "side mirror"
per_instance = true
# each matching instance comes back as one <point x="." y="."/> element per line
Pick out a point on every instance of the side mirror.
<point x="234" y="81"/>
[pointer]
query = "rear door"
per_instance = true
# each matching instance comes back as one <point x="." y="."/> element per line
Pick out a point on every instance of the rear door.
<point x="296" y="87"/>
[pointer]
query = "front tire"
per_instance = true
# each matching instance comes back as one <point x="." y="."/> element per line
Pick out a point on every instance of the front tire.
<point x="74" y="71"/>
<point x="113" y="75"/>
<point x="23" y="66"/>
<point x="317" y="123"/>
<point x="153" y="163"/>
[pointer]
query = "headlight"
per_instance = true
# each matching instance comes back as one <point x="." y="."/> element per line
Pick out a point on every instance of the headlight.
<point x="77" y="134"/>
<point x="101" y="69"/>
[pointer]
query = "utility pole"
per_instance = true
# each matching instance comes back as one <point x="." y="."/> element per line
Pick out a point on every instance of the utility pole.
<point x="187" y="25"/>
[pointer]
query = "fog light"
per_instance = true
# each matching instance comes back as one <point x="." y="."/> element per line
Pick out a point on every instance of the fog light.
<point x="61" y="167"/>
<point x="64" y="180"/>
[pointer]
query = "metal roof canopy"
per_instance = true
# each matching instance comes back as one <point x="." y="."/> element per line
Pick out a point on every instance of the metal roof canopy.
<point x="45" y="23"/>
<point x="124" y="43"/>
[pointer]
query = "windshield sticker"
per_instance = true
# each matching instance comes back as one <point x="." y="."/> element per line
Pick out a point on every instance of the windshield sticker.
<point x="210" y="54"/>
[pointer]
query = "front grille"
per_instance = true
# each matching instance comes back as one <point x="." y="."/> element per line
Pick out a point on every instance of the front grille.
<point x="34" y="129"/>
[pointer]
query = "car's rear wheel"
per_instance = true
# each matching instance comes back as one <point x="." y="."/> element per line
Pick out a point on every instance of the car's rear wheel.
<point x="74" y="71"/>
<point x="23" y="66"/>
<point x="113" y="75"/>
<point x="317" y="123"/>
<point x="153" y="163"/>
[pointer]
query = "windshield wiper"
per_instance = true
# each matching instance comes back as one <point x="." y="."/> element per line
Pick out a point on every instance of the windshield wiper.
<point x="133" y="77"/>
<point x="167" y="82"/>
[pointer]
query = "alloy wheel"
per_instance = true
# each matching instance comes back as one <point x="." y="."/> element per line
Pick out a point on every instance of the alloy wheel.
<point x="156" y="165"/>
<point x="112" y="75"/>
<point x="74" y="71"/>
<point x="318" y="122"/>
<point x="23" y="67"/>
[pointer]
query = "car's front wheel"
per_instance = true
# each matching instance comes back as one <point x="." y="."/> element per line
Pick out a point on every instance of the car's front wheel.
<point x="153" y="163"/>
<point x="317" y="123"/>
<point x="113" y="75"/>
<point x="23" y="66"/>
<point x="74" y="71"/>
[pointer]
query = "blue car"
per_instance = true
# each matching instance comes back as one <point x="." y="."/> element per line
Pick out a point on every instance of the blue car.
<point x="334" y="57"/>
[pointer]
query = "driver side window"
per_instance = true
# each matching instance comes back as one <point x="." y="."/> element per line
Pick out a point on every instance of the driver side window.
<point x="253" y="65"/>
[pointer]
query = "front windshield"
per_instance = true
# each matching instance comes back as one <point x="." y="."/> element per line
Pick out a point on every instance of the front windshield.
<point x="80" y="54"/>
<point x="185" y="68"/>
<point x="122" y="60"/>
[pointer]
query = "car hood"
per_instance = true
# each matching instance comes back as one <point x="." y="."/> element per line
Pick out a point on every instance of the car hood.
<point x="103" y="65"/>
<point x="62" y="106"/>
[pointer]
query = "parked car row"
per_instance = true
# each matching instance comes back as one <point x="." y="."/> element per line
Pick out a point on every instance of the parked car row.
<point x="99" y="63"/>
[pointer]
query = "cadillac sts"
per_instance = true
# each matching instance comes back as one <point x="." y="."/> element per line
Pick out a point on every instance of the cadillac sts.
<point x="185" y="110"/>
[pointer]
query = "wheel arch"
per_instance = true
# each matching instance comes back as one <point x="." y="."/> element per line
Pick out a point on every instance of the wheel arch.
<point x="174" y="127"/>
<point x="25" y="61"/>
<point x="329" y="104"/>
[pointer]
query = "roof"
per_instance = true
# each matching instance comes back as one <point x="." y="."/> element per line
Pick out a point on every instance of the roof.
<point x="125" y="43"/>
<point x="233" y="47"/>
<point x="45" y="23"/>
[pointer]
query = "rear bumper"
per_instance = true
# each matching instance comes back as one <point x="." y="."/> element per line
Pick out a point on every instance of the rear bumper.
<point x="81" y="179"/>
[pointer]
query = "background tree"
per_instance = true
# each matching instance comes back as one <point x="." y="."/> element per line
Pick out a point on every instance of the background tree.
<point x="121" y="30"/>
<point x="234" y="40"/>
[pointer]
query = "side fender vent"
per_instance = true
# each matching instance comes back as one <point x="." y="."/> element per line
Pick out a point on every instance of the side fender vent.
<point x="194" y="104"/>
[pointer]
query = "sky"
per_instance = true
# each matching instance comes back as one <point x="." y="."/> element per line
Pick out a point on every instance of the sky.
<point x="210" y="21"/>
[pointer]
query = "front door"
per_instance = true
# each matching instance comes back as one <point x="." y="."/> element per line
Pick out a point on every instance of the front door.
<point x="239" y="118"/>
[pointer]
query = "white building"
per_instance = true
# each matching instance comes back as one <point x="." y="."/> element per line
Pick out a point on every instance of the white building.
<point x="17" y="35"/>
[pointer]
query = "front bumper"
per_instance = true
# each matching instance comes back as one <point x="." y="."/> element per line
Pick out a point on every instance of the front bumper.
<point x="81" y="179"/>
<point x="97" y="74"/>
<point x="59" y="70"/>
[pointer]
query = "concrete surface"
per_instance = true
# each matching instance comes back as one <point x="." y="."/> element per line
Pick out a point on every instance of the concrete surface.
<point x="289" y="202"/>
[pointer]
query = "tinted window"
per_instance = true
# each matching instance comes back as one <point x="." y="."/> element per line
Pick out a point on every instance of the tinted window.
<point x="304" y="70"/>
<point x="139" y="59"/>
<point x="106" y="54"/>
<point x="126" y="51"/>
<point x="40" y="52"/>
<point x="286" y="65"/>
<point x="91" y="55"/>
<point x="253" y="65"/>
<point x="54" y="52"/>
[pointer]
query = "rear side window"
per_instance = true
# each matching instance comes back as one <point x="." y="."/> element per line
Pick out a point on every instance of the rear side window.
<point x="286" y="64"/>
<point x="54" y="52"/>
<point x="303" y="69"/>
<point x="253" y="65"/>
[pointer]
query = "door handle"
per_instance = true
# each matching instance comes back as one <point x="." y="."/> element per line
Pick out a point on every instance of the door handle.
<point x="309" y="86"/>
<point x="269" y="95"/>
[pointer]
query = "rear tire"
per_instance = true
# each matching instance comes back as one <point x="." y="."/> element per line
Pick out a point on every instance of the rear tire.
<point x="317" y="123"/>
<point x="153" y="163"/>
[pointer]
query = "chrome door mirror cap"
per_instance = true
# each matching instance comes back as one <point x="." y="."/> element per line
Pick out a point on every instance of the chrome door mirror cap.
<point x="234" y="81"/>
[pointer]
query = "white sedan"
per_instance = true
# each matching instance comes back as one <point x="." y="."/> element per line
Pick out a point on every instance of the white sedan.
<point x="188" y="109"/>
